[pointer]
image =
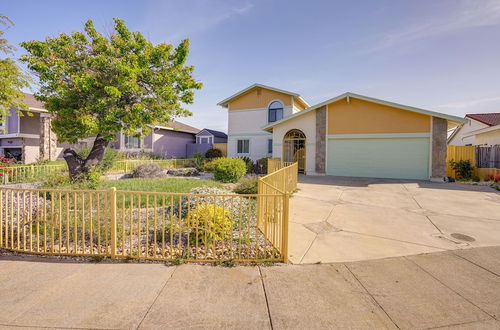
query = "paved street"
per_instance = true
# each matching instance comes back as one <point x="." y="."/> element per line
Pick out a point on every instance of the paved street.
<point x="335" y="219"/>
<point x="457" y="289"/>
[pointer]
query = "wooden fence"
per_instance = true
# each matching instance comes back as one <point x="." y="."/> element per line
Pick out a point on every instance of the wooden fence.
<point x="486" y="160"/>
<point x="222" y="147"/>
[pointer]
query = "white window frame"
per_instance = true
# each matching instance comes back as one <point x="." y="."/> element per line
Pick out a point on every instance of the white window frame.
<point x="237" y="147"/>
<point x="139" y="142"/>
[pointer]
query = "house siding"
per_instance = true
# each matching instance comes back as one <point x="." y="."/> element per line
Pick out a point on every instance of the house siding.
<point x="172" y="144"/>
<point x="30" y="123"/>
<point x="363" y="117"/>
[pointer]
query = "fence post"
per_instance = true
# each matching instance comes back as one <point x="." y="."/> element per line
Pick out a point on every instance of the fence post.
<point x="113" y="223"/>
<point x="285" y="228"/>
<point x="126" y="167"/>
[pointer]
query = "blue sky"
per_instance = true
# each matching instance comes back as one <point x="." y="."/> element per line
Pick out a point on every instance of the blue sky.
<point x="439" y="55"/>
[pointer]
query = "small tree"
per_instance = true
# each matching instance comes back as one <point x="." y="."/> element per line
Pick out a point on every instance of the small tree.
<point x="463" y="169"/>
<point x="12" y="79"/>
<point x="99" y="86"/>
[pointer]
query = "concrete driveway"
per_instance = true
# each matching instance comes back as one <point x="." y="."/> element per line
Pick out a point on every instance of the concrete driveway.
<point x="335" y="219"/>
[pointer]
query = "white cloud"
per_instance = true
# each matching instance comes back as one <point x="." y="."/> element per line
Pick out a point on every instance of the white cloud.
<point x="470" y="14"/>
<point x="468" y="103"/>
<point x="205" y="15"/>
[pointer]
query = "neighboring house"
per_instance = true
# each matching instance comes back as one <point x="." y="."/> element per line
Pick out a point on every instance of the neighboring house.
<point x="348" y="135"/>
<point x="480" y="129"/>
<point x="28" y="137"/>
<point x="251" y="109"/>
<point x="205" y="140"/>
<point x="168" y="141"/>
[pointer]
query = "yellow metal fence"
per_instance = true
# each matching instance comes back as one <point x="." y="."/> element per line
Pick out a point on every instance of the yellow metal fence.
<point x="19" y="174"/>
<point x="273" y="213"/>
<point x="30" y="173"/>
<point x="143" y="225"/>
<point x="274" y="164"/>
<point x="125" y="166"/>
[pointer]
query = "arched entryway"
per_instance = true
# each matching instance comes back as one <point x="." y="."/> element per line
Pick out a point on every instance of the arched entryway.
<point x="294" y="148"/>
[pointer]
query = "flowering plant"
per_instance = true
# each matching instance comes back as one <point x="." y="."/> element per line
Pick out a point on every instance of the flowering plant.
<point x="490" y="176"/>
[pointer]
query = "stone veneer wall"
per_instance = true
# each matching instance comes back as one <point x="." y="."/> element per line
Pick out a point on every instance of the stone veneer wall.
<point x="321" y="140"/>
<point x="48" y="140"/>
<point x="439" y="134"/>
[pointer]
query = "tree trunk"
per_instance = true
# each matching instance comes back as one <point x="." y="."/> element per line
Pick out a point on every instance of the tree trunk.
<point x="77" y="166"/>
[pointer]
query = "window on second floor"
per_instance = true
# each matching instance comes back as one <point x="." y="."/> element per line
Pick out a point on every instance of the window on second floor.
<point x="270" y="146"/>
<point x="275" y="111"/>
<point x="243" y="147"/>
<point x="132" y="142"/>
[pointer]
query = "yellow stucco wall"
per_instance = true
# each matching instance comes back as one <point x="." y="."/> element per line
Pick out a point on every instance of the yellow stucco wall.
<point x="258" y="98"/>
<point x="489" y="138"/>
<point x="299" y="105"/>
<point x="363" y="117"/>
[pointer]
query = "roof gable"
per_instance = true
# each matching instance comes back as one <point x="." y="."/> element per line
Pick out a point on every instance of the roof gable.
<point x="490" y="119"/>
<point x="349" y="95"/>
<point x="224" y="103"/>
<point x="214" y="133"/>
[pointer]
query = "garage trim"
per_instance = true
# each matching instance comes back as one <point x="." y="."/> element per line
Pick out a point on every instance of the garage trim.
<point x="409" y="169"/>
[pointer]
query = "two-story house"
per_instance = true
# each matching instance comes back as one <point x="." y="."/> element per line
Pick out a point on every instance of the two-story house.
<point x="347" y="135"/>
<point x="23" y="133"/>
<point x="253" y="108"/>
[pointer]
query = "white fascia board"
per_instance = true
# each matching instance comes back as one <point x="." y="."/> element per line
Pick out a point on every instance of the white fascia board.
<point x="454" y="119"/>
<point x="224" y="102"/>
<point x="483" y="130"/>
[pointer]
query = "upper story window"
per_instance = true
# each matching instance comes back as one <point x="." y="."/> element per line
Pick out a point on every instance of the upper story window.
<point x="275" y="111"/>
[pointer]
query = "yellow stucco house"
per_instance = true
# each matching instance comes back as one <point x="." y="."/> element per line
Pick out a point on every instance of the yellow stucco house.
<point x="347" y="135"/>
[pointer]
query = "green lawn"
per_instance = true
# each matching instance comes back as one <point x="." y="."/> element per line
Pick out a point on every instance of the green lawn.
<point x="158" y="185"/>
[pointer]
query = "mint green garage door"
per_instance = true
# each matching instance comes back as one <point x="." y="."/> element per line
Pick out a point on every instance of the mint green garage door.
<point x="398" y="158"/>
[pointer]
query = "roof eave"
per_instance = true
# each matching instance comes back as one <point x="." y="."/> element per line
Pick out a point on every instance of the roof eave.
<point x="224" y="103"/>
<point x="453" y="120"/>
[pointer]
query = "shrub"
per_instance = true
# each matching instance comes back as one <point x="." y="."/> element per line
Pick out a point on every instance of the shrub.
<point x="248" y="164"/>
<point x="247" y="186"/>
<point x="108" y="160"/>
<point x="490" y="176"/>
<point x="497" y="179"/>
<point x="213" y="223"/>
<point x="186" y="171"/>
<point x="229" y="169"/>
<point x="55" y="180"/>
<point x="463" y="169"/>
<point x="213" y="153"/>
<point x="236" y="205"/>
<point x="149" y="170"/>
<point x="198" y="161"/>
<point x="262" y="165"/>
<point x="140" y="155"/>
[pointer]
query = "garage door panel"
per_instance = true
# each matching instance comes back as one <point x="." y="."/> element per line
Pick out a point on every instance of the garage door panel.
<point x="401" y="158"/>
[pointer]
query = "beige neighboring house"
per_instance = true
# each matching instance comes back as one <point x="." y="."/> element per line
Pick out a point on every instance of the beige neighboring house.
<point x="27" y="136"/>
<point x="480" y="129"/>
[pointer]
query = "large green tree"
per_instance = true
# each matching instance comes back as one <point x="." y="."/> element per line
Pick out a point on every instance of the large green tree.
<point x="96" y="86"/>
<point x="12" y="79"/>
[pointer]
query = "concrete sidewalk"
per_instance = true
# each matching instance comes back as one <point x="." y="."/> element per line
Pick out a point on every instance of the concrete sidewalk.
<point x="454" y="290"/>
